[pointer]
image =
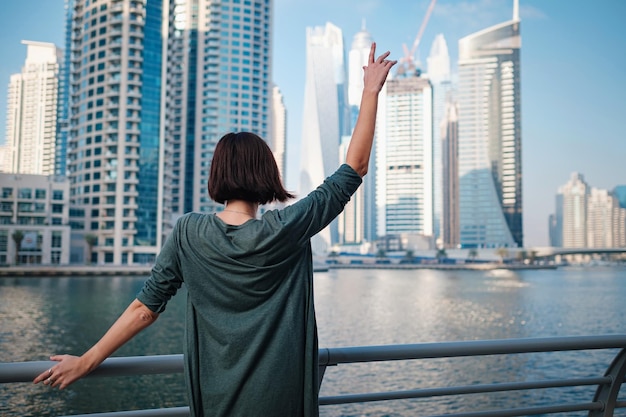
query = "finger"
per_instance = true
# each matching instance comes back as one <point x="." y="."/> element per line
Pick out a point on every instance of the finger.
<point x="42" y="376"/>
<point x="391" y="63"/>
<point x="382" y="57"/>
<point x="372" y="53"/>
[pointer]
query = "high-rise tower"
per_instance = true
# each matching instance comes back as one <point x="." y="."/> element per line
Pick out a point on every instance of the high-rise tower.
<point x="449" y="136"/>
<point x="32" y="112"/>
<point x="490" y="162"/>
<point x="114" y="147"/>
<point x="359" y="218"/>
<point x="219" y="80"/>
<point x="278" y="137"/>
<point x="438" y="71"/>
<point x="408" y="160"/>
<point x="574" y="200"/>
<point x="325" y="114"/>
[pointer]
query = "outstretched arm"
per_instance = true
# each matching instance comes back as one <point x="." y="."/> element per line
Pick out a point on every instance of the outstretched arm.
<point x="71" y="368"/>
<point x="375" y="74"/>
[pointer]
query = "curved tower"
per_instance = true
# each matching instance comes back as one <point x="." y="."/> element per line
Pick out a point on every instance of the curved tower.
<point x="325" y="114"/>
<point x="490" y="163"/>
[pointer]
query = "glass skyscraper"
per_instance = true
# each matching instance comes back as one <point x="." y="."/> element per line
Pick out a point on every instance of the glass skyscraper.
<point x="325" y="115"/>
<point x="490" y="164"/>
<point x="438" y="71"/>
<point x="219" y="80"/>
<point x="358" y="221"/>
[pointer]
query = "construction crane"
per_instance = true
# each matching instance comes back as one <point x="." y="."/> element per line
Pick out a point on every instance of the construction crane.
<point x="407" y="63"/>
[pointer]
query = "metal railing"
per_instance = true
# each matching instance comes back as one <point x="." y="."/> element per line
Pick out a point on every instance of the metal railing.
<point x="604" y="403"/>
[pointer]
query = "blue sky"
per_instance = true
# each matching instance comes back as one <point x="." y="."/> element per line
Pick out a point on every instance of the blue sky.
<point x="573" y="74"/>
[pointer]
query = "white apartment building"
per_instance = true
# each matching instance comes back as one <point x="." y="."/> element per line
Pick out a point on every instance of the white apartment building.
<point x="408" y="158"/>
<point x="605" y="220"/>
<point x="588" y="217"/>
<point x="32" y="112"/>
<point x="34" y="211"/>
<point x="574" y="205"/>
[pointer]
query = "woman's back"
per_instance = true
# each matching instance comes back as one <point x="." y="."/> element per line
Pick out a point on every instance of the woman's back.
<point x="250" y="310"/>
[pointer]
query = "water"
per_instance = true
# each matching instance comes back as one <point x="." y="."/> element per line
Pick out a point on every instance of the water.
<point x="42" y="316"/>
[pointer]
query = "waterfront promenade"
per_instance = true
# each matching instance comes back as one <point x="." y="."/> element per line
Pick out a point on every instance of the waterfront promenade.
<point x="144" y="270"/>
<point x="74" y="270"/>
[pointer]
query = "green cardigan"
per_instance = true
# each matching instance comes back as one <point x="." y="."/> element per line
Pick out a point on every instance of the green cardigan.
<point x="251" y="336"/>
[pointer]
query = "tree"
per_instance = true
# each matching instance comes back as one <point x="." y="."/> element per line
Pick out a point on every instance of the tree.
<point x="441" y="255"/>
<point x="502" y="253"/>
<point x="91" y="242"/>
<point x="381" y="253"/>
<point x="472" y="254"/>
<point x="532" y="256"/>
<point x="409" y="255"/>
<point x="17" y="236"/>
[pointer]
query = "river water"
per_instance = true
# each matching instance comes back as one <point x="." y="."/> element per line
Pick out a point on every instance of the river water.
<point x="355" y="307"/>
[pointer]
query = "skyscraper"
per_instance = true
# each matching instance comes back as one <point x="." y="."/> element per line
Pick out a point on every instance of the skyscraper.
<point x="589" y="217"/>
<point x="603" y="219"/>
<point x="620" y="193"/>
<point x="408" y="161"/>
<point x="575" y="196"/>
<point x="63" y="109"/>
<point x="278" y="137"/>
<point x="359" y="217"/>
<point x="32" y="112"/>
<point x="114" y="147"/>
<point x="219" y="80"/>
<point x="490" y="163"/>
<point x="357" y="58"/>
<point x="438" y="71"/>
<point x="449" y="135"/>
<point x="325" y="116"/>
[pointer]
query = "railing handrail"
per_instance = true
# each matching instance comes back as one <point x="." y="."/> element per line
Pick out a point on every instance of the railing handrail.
<point x="165" y="364"/>
<point x="603" y="404"/>
<point x="334" y="356"/>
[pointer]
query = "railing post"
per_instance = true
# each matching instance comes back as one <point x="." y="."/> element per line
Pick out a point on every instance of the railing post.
<point x="607" y="394"/>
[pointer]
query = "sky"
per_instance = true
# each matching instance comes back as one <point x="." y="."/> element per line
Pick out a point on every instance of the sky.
<point x="573" y="75"/>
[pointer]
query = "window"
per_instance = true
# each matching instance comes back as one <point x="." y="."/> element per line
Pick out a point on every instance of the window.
<point x="57" y="239"/>
<point x="24" y="193"/>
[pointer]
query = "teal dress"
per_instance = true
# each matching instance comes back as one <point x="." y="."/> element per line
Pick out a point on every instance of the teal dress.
<point x="251" y="336"/>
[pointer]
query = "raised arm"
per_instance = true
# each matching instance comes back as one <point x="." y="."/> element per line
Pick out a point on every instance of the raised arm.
<point x="71" y="368"/>
<point x="375" y="74"/>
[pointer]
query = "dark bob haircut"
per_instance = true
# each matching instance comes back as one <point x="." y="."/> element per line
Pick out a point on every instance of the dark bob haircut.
<point x="244" y="168"/>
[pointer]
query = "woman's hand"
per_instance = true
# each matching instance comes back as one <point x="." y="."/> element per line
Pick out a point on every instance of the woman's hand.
<point x="376" y="70"/>
<point x="68" y="370"/>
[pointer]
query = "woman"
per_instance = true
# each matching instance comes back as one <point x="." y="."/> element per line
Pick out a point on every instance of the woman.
<point x="251" y="338"/>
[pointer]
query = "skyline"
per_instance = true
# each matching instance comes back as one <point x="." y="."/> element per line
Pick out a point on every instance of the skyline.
<point x="572" y="64"/>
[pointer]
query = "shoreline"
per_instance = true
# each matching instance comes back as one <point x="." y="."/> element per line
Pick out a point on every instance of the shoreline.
<point x="74" y="271"/>
<point x="144" y="270"/>
<point x="490" y="266"/>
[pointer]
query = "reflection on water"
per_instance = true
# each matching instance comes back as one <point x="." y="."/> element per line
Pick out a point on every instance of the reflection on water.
<point x="39" y="317"/>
